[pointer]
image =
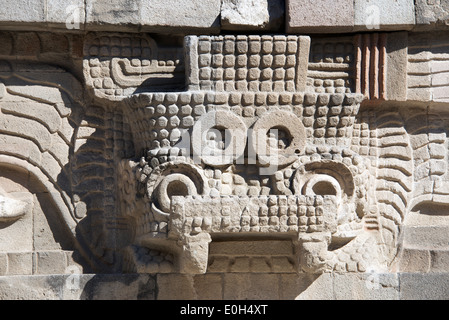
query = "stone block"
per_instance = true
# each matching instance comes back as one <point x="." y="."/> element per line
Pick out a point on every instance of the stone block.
<point x="319" y="16"/>
<point x="38" y="14"/>
<point x="316" y="288"/>
<point x="20" y="263"/>
<point x="3" y="264"/>
<point x="366" y="286"/>
<point x="110" y="287"/>
<point x="28" y="288"/>
<point x="218" y="264"/>
<point x="431" y="14"/>
<point x="439" y="260"/>
<point x="22" y="11"/>
<point x="419" y="94"/>
<point x="51" y="262"/>
<point x="78" y="287"/>
<point x="282" y="264"/>
<point x="440" y="94"/>
<point x="240" y="264"/>
<point x="424" y="286"/>
<point x="397" y="43"/>
<point x="426" y="237"/>
<point x="349" y="286"/>
<point x="184" y="288"/>
<point x="68" y="14"/>
<point x="113" y="15"/>
<point x="292" y="286"/>
<point x="384" y="15"/>
<point x="260" y="264"/>
<point x="158" y="15"/>
<point x="244" y="286"/>
<point x="187" y="15"/>
<point x="414" y="260"/>
<point x="209" y="286"/>
<point x="252" y="15"/>
<point x="199" y="287"/>
<point x="27" y="44"/>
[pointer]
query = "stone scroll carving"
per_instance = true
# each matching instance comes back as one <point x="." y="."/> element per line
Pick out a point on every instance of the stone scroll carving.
<point x="38" y="106"/>
<point x="118" y="65"/>
<point x="64" y="149"/>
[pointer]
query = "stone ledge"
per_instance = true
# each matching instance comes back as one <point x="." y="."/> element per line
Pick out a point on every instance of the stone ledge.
<point x="192" y="16"/>
<point x="211" y="17"/>
<point x="230" y="286"/>
<point x="324" y="16"/>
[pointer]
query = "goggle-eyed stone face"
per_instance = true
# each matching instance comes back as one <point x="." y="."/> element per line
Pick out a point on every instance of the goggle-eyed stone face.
<point x="240" y="138"/>
<point x="206" y="152"/>
<point x="258" y="119"/>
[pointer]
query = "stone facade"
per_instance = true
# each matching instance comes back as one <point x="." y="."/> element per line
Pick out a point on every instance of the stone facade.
<point x="234" y="149"/>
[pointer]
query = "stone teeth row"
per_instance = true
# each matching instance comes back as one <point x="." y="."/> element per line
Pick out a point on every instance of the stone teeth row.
<point x="269" y="200"/>
<point x="252" y="44"/>
<point x="153" y="261"/>
<point x="281" y="223"/>
<point x="245" y="98"/>
<point x="148" y="226"/>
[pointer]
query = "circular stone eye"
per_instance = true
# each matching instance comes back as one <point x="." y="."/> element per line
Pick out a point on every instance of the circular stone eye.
<point x="277" y="138"/>
<point x="322" y="184"/>
<point x="175" y="184"/>
<point x="323" y="188"/>
<point x="218" y="138"/>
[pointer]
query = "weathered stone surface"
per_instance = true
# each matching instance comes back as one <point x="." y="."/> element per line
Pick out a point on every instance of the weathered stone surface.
<point x="190" y="287"/>
<point x="319" y="16"/>
<point x="424" y="286"/>
<point x="397" y="66"/>
<point x="77" y="287"/>
<point x="123" y="13"/>
<point x="384" y="15"/>
<point x="118" y="15"/>
<point x="366" y="286"/>
<point x="67" y="14"/>
<point x="371" y="286"/>
<point x="250" y="286"/>
<point x="252" y="14"/>
<point x="184" y="16"/>
<point x="427" y="68"/>
<point x="23" y="11"/>
<point x="137" y="162"/>
<point x="431" y="14"/>
<point x="190" y="15"/>
<point x="427" y="237"/>
<point x="415" y="260"/>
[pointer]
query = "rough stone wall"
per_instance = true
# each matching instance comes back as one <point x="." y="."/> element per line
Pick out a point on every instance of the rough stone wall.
<point x="224" y="149"/>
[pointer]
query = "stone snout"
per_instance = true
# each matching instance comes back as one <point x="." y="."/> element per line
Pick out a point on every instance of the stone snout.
<point x="12" y="209"/>
<point x="308" y="221"/>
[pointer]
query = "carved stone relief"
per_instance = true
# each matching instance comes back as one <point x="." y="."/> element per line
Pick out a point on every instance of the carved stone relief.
<point x="312" y="192"/>
<point x="344" y="181"/>
<point x="119" y="65"/>
<point x="45" y="130"/>
<point x="171" y="159"/>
